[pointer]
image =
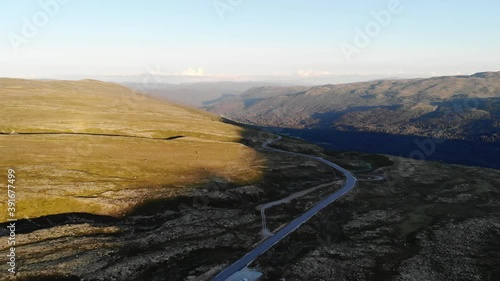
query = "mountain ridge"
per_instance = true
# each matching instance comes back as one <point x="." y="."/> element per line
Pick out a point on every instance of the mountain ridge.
<point x="450" y="107"/>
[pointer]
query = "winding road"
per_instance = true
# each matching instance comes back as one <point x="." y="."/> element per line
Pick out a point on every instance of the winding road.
<point x="265" y="245"/>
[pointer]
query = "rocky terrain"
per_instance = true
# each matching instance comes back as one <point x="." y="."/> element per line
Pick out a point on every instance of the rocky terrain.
<point x="425" y="221"/>
<point x="436" y="222"/>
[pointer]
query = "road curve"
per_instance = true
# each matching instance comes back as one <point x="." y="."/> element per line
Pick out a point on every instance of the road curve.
<point x="293" y="225"/>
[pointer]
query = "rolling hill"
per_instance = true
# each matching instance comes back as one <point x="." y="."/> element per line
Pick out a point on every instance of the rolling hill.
<point x="455" y="107"/>
<point x="100" y="148"/>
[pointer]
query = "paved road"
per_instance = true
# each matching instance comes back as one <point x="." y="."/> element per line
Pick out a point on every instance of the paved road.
<point x="293" y="225"/>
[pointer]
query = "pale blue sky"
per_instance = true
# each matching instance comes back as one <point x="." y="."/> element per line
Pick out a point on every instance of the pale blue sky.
<point x="252" y="38"/>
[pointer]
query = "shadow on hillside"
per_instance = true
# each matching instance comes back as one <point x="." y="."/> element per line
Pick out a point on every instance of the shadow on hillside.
<point x="482" y="154"/>
<point x="174" y="138"/>
<point x="208" y="227"/>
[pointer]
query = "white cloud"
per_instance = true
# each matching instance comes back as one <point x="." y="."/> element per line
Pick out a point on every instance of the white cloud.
<point x="310" y="73"/>
<point x="193" y="72"/>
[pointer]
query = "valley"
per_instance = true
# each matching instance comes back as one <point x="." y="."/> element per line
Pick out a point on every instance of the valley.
<point x="129" y="195"/>
<point x="457" y="114"/>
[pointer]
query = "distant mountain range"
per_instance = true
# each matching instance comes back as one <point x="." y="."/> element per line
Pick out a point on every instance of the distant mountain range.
<point x="196" y="94"/>
<point x="452" y="107"/>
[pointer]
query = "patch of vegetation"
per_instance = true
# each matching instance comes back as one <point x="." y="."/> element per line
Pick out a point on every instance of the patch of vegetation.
<point x="377" y="160"/>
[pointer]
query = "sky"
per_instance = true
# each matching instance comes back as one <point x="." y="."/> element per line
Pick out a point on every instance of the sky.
<point x="248" y="39"/>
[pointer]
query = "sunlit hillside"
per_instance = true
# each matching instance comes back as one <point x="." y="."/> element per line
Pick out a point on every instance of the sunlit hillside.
<point x="90" y="146"/>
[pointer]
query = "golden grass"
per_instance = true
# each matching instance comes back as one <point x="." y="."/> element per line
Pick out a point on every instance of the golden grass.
<point x="97" y="107"/>
<point x="105" y="174"/>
